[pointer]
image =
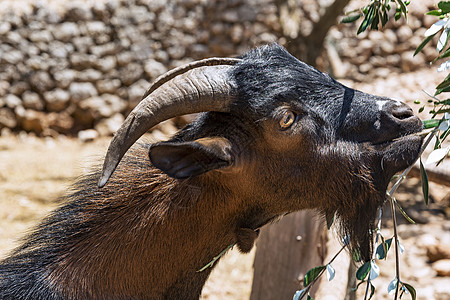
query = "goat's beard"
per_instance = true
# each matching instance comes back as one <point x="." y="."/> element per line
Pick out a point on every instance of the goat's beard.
<point x="356" y="227"/>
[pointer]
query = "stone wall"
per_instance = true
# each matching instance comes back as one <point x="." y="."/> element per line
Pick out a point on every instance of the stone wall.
<point x="86" y="64"/>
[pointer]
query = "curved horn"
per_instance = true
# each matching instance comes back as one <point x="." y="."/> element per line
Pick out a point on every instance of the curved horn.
<point x="196" y="87"/>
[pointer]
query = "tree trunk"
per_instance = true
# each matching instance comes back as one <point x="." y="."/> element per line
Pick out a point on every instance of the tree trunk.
<point x="285" y="251"/>
<point x="307" y="45"/>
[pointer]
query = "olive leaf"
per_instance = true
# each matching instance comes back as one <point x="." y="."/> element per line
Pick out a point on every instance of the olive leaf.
<point x="362" y="272"/>
<point x="330" y="272"/>
<point x="383" y="249"/>
<point x="424" y="179"/>
<point x="312" y="274"/>
<point x="392" y="286"/>
<point x="410" y="289"/>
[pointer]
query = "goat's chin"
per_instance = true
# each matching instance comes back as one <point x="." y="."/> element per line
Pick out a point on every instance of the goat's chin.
<point x="400" y="154"/>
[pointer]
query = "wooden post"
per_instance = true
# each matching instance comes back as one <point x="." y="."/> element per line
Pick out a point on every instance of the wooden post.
<point x="285" y="251"/>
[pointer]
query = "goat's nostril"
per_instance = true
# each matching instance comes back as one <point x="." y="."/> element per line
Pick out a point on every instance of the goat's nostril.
<point x="402" y="113"/>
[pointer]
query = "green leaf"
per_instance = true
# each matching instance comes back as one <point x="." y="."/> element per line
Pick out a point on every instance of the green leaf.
<point x="444" y="83"/>
<point x="350" y="18"/>
<point x="403" y="8"/>
<point x="424" y="178"/>
<point x="362" y="272"/>
<point x="445" y="54"/>
<point x="331" y="272"/>
<point x="436" y="12"/>
<point x="430" y="123"/>
<point x="444" y="6"/>
<point x="404" y="213"/>
<point x="375" y="21"/>
<point x="312" y="274"/>
<point x="384" y="18"/>
<point x="392" y="286"/>
<point x="357" y="286"/>
<point x="383" y="249"/>
<point x="309" y="297"/>
<point x="299" y="294"/>
<point x="443" y="39"/>
<point x="424" y="42"/>
<point x="367" y="20"/>
<point x="410" y="289"/>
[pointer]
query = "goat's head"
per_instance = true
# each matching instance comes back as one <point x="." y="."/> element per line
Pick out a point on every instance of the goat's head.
<point x="281" y="134"/>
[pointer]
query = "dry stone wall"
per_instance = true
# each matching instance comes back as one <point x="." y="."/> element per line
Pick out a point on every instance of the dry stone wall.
<point x="86" y="64"/>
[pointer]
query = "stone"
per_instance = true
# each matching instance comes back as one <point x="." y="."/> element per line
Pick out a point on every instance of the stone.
<point x="60" y="122"/>
<point x="87" y="135"/>
<point x="4" y="88"/>
<point x="131" y="73"/>
<point x="105" y="49"/>
<point x="19" y="87"/>
<point x="154" y="68"/>
<point x="65" y="77"/>
<point x="66" y="31"/>
<point x="5" y="27"/>
<point x="106" y="64"/>
<point x="109" y="126"/>
<point x="41" y="36"/>
<point x="32" y="100"/>
<point x="60" y="50"/>
<point x="7" y="118"/>
<point x="136" y="91"/>
<point x="37" y="63"/>
<point x="33" y="121"/>
<point x="411" y="62"/>
<point x="12" y="101"/>
<point x="82" y="43"/>
<point x="78" y="12"/>
<point x="96" y="28"/>
<point x="82" y="90"/>
<point x="12" y="57"/>
<point x="100" y="11"/>
<point x="41" y="82"/>
<point x="438" y="251"/>
<point x="56" y="100"/>
<point x="108" y="86"/>
<point x="442" y="267"/>
<point x="103" y="106"/>
<point x="82" y="61"/>
<point x="124" y="58"/>
<point x="404" y="33"/>
<point x="89" y="75"/>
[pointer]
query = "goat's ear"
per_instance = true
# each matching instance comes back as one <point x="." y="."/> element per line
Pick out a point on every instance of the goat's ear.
<point x="188" y="159"/>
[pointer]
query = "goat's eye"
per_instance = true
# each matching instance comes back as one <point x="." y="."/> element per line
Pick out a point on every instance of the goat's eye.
<point x="287" y="119"/>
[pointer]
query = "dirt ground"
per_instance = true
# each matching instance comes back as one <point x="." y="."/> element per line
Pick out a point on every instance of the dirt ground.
<point x="35" y="171"/>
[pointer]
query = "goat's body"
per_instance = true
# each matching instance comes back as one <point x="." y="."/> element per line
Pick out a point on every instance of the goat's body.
<point x="122" y="240"/>
<point x="290" y="138"/>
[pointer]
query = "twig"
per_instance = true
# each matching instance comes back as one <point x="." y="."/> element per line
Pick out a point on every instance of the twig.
<point x="394" y="219"/>
<point x="308" y="287"/>
<point x="380" y="213"/>
<point x="397" y="260"/>
<point x="211" y="263"/>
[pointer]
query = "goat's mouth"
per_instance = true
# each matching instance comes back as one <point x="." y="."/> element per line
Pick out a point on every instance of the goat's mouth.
<point x="401" y="152"/>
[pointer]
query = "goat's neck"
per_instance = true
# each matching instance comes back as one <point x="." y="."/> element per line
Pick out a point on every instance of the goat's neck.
<point x="150" y="247"/>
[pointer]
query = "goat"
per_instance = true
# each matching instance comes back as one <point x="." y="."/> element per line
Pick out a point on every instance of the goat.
<point x="274" y="136"/>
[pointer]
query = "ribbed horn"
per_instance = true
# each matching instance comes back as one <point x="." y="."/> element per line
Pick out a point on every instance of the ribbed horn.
<point x="197" y="87"/>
